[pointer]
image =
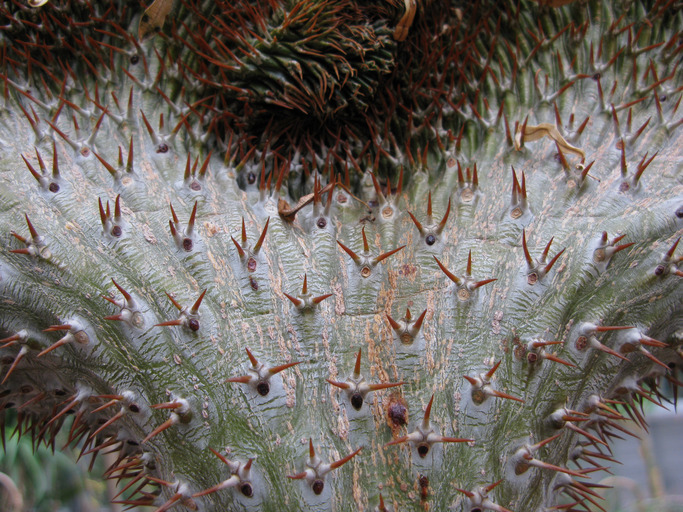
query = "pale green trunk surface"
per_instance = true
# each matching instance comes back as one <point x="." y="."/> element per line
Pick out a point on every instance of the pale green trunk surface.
<point x="243" y="309"/>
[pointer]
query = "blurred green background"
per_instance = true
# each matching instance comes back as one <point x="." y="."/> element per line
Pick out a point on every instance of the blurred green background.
<point x="42" y="481"/>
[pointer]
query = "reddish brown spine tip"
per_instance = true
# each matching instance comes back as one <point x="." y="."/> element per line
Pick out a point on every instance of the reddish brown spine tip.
<point x="278" y="369"/>
<point x="527" y="256"/>
<point x="14" y="364"/>
<point x="622" y="247"/>
<point x="397" y="441"/>
<point x="205" y="165"/>
<point x="428" y="410"/>
<point x="500" y="394"/>
<point x="298" y="476"/>
<point x="53" y="328"/>
<point x="552" y="262"/>
<point x="223" y="459"/>
<point x="378" y="191"/>
<point x="490" y="373"/>
<point x="245" y="379"/>
<point x="103" y="215"/>
<point x="552" y="357"/>
<point x="169" y="323"/>
<point x="356" y="369"/>
<point x="384" y="385"/>
<point x="257" y="247"/>
<point x="210" y="490"/>
<point x="55" y="345"/>
<point x="607" y="328"/>
<point x="393" y="322"/>
<point x="295" y="301"/>
<point x="173" y="214"/>
<point x="244" y="232"/>
<point x="465" y="492"/>
<point x="106" y="164"/>
<point x="34" y="233"/>
<point x="35" y="173"/>
<point x="195" y="306"/>
<point x="125" y="294"/>
<point x="448" y="273"/>
<point x="190" y="223"/>
<point x="252" y="359"/>
<point x="319" y="299"/>
<point x="111" y="420"/>
<point x="166" y="424"/>
<point x="384" y="256"/>
<point x="546" y="441"/>
<point x="348" y="251"/>
<point x="340" y="462"/>
<point x="669" y="253"/>
<point x="418" y="322"/>
<point x="175" y="303"/>
<point x="482" y="283"/>
<point x="340" y="385"/>
<point x="366" y="247"/>
<point x="417" y="223"/>
<point x="381" y="507"/>
<point x="239" y="248"/>
<point x="117" y="207"/>
<point x="129" y="162"/>
<point x="470" y="380"/>
<point x="10" y="340"/>
<point x="653" y="359"/>
<point x="443" y="439"/>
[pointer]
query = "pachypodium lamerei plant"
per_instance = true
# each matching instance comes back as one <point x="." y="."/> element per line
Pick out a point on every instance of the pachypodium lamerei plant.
<point x="297" y="176"/>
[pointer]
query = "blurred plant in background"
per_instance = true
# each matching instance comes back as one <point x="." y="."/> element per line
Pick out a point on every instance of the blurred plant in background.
<point x="649" y="477"/>
<point x="36" y="479"/>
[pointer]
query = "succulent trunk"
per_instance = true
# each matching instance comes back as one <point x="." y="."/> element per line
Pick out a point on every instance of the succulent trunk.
<point x="219" y="242"/>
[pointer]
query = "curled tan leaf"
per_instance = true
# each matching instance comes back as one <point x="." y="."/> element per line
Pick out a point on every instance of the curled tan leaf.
<point x="154" y="16"/>
<point x="287" y="212"/>
<point x="532" y="133"/>
<point x="554" y="3"/>
<point x="403" y="26"/>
